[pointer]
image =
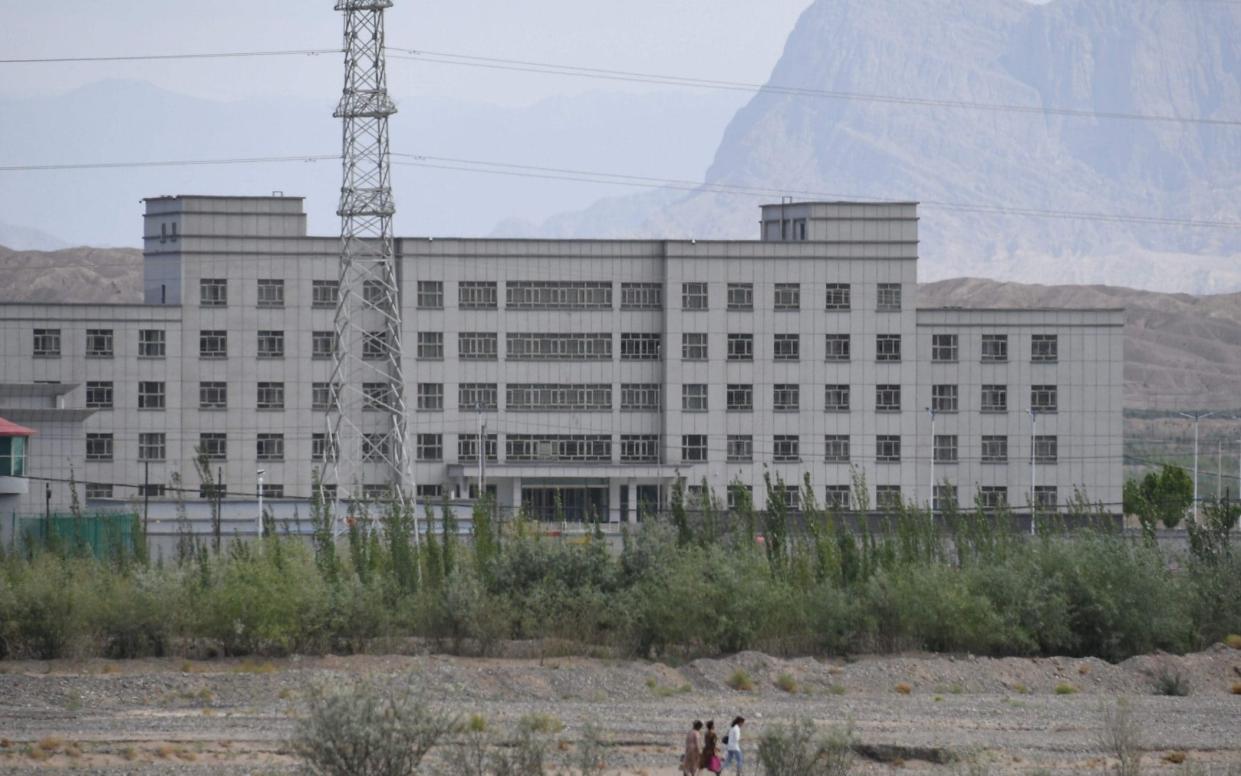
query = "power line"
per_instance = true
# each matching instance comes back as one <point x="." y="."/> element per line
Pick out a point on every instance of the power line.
<point x="550" y="68"/>
<point x="168" y="163"/>
<point x="164" y="57"/>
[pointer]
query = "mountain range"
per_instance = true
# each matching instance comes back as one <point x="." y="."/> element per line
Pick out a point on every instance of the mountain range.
<point x="979" y="171"/>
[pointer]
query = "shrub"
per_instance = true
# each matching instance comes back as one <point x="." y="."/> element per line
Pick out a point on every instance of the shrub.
<point x="1064" y="688"/>
<point x="1233" y="640"/>
<point x="797" y="749"/>
<point x="904" y="688"/>
<point x="1121" y="738"/>
<point x="1170" y="681"/>
<point x="740" y="681"/>
<point x="786" y="682"/>
<point x="374" y="726"/>
<point x="1236" y="688"/>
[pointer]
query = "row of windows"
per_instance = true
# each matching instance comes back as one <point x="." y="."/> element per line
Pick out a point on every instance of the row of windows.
<point x="1044" y="348"/>
<point x="588" y="448"/>
<point x="558" y="295"/>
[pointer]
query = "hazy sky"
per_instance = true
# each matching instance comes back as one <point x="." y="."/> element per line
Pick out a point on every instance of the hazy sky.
<point x="712" y="38"/>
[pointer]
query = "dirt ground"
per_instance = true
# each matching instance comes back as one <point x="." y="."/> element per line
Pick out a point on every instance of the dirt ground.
<point x="926" y="714"/>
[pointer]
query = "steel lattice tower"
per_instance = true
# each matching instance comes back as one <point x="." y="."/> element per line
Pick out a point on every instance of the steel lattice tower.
<point x="367" y="420"/>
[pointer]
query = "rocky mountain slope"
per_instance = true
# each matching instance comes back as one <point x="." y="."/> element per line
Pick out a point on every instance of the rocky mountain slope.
<point x="1096" y="56"/>
<point x="1182" y="351"/>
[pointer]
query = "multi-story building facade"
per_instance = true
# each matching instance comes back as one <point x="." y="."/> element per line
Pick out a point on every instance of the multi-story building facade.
<point x="602" y="370"/>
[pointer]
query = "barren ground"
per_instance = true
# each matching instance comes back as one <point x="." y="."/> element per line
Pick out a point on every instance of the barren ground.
<point x="1001" y="715"/>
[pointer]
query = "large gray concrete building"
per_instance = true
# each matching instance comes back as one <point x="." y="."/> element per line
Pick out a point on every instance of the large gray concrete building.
<point x="603" y="370"/>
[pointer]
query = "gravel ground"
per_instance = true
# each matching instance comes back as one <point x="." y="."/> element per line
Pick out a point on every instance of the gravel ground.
<point x="915" y="712"/>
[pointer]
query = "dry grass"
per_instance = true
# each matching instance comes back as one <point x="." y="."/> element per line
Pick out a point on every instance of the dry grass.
<point x="904" y="688"/>
<point x="49" y="743"/>
<point x="129" y="754"/>
<point x="837" y="689"/>
<point x="741" y="681"/>
<point x="110" y="668"/>
<point x="1175" y="758"/>
<point x="1236" y="688"/>
<point x="1233" y="640"/>
<point x="165" y="751"/>
<point x="1020" y="689"/>
<point x="251" y="667"/>
<point x="1083" y="669"/>
<point x="37" y="754"/>
<point x="1064" y="688"/>
<point x="786" y="682"/>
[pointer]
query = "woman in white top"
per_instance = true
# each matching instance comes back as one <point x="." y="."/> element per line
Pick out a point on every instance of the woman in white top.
<point x="733" y="744"/>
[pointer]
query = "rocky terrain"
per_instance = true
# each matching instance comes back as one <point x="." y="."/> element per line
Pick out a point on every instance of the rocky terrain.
<point x="926" y="714"/>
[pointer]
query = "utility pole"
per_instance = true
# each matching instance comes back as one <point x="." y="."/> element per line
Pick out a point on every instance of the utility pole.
<point x="259" y="533"/>
<point x="931" y="503"/>
<point x="1196" y="417"/>
<point x="1033" y="468"/>
<point x="146" y="495"/>
<point x="1219" y="469"/>
<point x="367" y="325"/>
<point x="482" y="452"/>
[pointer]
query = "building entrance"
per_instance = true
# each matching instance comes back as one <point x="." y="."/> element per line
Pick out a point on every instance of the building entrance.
<point x="576" y="504"/>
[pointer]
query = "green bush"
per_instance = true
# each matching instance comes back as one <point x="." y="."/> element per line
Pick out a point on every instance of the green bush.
<point x="797" y="749"/>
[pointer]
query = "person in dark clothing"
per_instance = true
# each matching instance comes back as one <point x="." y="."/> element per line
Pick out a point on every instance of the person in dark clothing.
<point x="710" y="750"/>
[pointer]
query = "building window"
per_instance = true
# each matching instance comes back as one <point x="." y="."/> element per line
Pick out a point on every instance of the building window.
<point x="694" y="448"/>
<point x="324" y="293"/>
<point x="944" y="398"/>
<point x="271" y="344"/>
<point x="374" y="345"/>
<point x="551" y="346"/>
<point x="888" y="448"/>
<point x="374" y="292"/>
<point x="478" y="397"/>
<point x="99" y="343"/>
<point x="430" y="447"/>
<point x="994" y="348"/>
<point x="150" y="343"/>
<point x="269" y="447"/>
<point x="318" y="447"/>
<point x="740" y="347"/>
<point x="1046" y="497"/>
<point x="993" y="497"/>
<point x="587" y="448"/>
<point x="99" y="395"/>
<point x="151" y="446"/>
<point x="694" y="397"/>
<point x="431" y="345"/>
<point x="270" y="293"/>
<point x="693" y="296"/>
<point x="99" y="447"/>
<point x="377" y="491"/>
<point x="98" y="490"/>
<point x="889" y="497"/>
<point x="322" y="344"/>
<point x="837" y="347"/>
<point x="1045" y="448"/>
<point x="478" y="346"/>
<point x="213" y="292"/>
<point x="639" y="347"/>
<point x="788" y="297"/>
<point x="944" y="348"/>
<point x="945" y="448"/>
<point x="640" y="396"/>
<point x="887" y="398"/>
<point x="945" y="497"/>
<point x="786" y="397"/>
<point x="563" y="295"/>
<point x="836" y="448"/>
<point x="1044" y="398"/>
<point x="740" y="397"/>
<point x="836" y="398"/>
<point x="467" y="448"/>
<point x="995" y="449"/>
<point x="212" y="343"/>
<point x="639" y="448"/>
<point x="272" y="491"/>
<point x="378" y="397"/>
<point x="47" y="343"/>
<point x="320" y="396"/>
<point x="995" y="398"/>
<point x="837" y="497"/>
<point x="270" y="396"/>
<point x="430" y="295"/>
<point x="154" y="491"/>
<point x="375" y="448"/>
<point x="642" y="296"/>
<point x="838" y="296"/>
<point x="213" y="395"/>
<point x="739" y="494"/>
<point x="150" y="396"/>
<point x="889" y="298"/>
<point x="212" y="491"/>
<point x="477" y="295"/>
<point x="786" y="448"/>
<point x="548" y="397"/>
<point x="787" y="347"/>
<point x="1044" y="348"/>
<point x="887" y="347"/>
<point x="430" y="397"/>
<point x="740" y="296"/>
<point x="432" y="491"/>
<point x="693" y="346"/>
<point x="213" y="446"/>
<point x="740" y="448"/>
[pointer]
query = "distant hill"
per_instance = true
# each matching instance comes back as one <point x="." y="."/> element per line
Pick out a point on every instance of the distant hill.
<point x="1096" y="56"/>
<point x="1182" y="351"/>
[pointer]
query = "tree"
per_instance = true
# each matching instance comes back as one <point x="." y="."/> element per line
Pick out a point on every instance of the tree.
<point x="1160" y="497"/>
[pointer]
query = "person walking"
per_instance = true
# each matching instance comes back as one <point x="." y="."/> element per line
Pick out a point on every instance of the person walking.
<point x="710" y="759"/>
<point x="733" y="743"/>
<point x="693" y="750"/>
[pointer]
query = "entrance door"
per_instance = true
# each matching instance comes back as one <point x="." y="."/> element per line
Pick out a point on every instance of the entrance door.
<point x="575" y="504"/>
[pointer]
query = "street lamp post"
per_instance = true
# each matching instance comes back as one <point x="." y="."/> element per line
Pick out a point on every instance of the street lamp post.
<point x="931" y="502"/>
<point x="1196" y="417"/>
<point x="1033" y="467"/>
<point x="261" y="472"/>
